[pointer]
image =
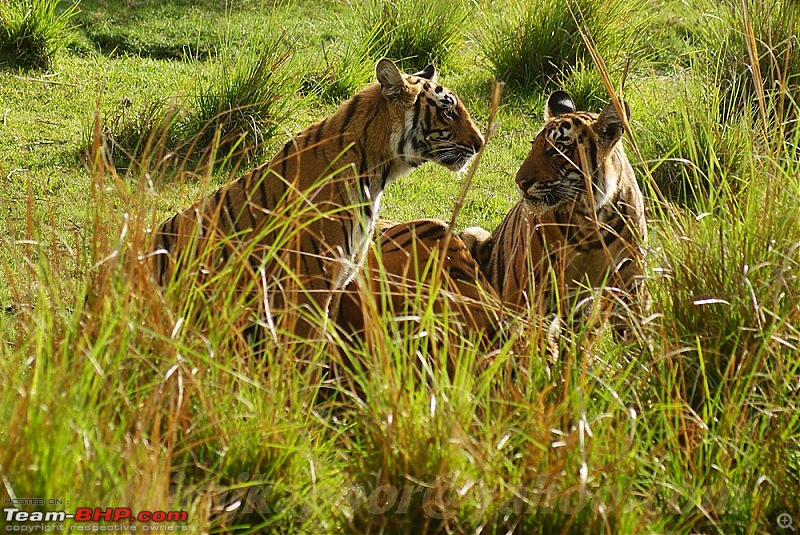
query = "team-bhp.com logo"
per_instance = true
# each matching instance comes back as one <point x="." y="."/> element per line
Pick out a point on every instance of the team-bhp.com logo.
<point x="122" y="518"/>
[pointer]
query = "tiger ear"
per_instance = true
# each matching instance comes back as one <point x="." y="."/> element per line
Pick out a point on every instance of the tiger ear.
<point x="429" y="73"/>
<point x="609" y="127"/>
<point x="393" y="85"/>
<point x="559" y="103"/>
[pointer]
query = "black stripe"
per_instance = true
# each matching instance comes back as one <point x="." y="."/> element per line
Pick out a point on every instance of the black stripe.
<point x="365" y="185"/>
<point x="369" y="122"/>
<point x="285" y="157"/>
<point x="401" y="144"/>
<point x="167" y="228"/>
<point x="262" y="187"/>
<point x="394" y="232"/>
<point x="350" y="111"/>
<point x="387" y="168"/>
<point x="394" y="238"/>
<point x="320" y="128"/>
<point x="516" y="275"/>
<point x="615" y="203"/>
<point x="413" y="235"/>
<point x="163" y="267"/>
<point x="616" y="230"/>
<point x="245" y="209"/>
<point x="417" y="109"/>
<point x="348" y="247"/>
<point x="459" y="274"/>
<point x="306" y="141"/>
<point x="427" y="126"/>
<point x="433" y="228"/>
<point x="215" y="198"/>
<point x="280" y="186"/>
<point x="234" y="219"/>
<point x="362" y="166"/>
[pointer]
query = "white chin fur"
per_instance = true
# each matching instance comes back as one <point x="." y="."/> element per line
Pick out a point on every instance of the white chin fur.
<point x="601" y="197"/>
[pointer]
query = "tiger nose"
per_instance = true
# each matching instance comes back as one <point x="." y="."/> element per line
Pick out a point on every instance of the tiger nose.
<point x="477" y="142"/>
<point x="523" y="180"/>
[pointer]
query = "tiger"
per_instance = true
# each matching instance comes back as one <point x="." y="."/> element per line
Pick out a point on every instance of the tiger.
<point x="556" y="243"/>
<point x="303" y="221"/>
<point x="559" y="241"/>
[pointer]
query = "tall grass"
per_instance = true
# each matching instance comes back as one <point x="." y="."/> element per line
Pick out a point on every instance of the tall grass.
<point x="233" y="112"/>
<point x="529" y="45"/>
<point x="730" y="292"/>
<point x="696" y="152"/>
<point x="343" y="70"/>
<point x="756" y="46"/>
<point x="585" y="86"/>
<point x="416" y="32"/>
<point x="112" y="396"/>
<point x="32" y="32"/>
<point x="729" y="331"/>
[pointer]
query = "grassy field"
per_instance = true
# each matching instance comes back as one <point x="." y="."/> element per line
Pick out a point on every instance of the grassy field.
<point x="111" y="397"/>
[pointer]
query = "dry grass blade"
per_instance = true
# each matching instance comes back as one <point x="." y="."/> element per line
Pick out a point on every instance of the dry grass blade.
<point x="497" y="89"/>
<point x="602" y="69"/>
<point x="752" y="54"/>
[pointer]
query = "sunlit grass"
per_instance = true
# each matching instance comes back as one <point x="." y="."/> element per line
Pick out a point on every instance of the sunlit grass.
<point x="416" y="32"/>
<point x="535" y="45"/>
<point x="33" y="32"/>
<point x="117" y="393"/>
<point x="236" y="110"/>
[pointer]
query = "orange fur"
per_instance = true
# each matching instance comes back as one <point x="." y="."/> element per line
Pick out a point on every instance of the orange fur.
<point x="404" y="254"/>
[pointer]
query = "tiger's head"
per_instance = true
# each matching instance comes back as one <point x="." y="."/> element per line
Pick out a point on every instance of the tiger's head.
<point x="571" y="153"/>
<point x="429" y="121"/>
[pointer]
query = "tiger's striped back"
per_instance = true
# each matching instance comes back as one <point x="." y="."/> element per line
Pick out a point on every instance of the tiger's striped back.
<point x="405" y="264"/>
<point x="305" y="218"/>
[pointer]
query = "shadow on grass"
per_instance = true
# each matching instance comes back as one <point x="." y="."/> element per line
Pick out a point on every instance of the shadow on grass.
<point x="163" y="30"/>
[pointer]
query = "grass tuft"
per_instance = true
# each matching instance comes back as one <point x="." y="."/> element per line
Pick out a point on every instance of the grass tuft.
<point x="531" y="45"/>
<point x="694" y="150"/>
<point x="755" y="45"/>
<point x="230" y="116"/>
<point x="416" y="32"/>
<point x="343" y="71"/>
<point x="33" y="32"/>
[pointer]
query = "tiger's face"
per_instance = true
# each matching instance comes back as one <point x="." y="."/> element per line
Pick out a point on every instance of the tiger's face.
<point x="431" y="123"/>
<point x="570" y="156"/>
